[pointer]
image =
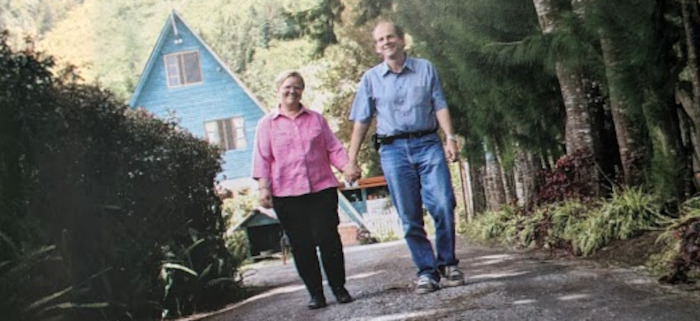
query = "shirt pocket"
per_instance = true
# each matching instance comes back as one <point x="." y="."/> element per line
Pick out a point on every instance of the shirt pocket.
<point x="281" y="142"/>
<point x="314" y="135"/>
<point x="418" y="96"/>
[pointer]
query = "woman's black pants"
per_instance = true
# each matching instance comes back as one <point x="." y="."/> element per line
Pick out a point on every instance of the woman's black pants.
<point x="311" y="221"/>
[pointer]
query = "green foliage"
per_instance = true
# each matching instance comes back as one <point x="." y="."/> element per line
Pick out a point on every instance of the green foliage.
<point x="682" y="240"/>
<point x="195" y="280"/>
<point x="113" y="189"/>
<point x="34" y="303"/>
<point x="627" y="214"/>
<point x="489" y="54"/>
<point x="318" y="22"/>
<point x="31" y="18"/>
<point x="237" y="245"/>
<point x="573" y="226"/>
<point x="493" y="224"/>
<point x="235" y="210"/>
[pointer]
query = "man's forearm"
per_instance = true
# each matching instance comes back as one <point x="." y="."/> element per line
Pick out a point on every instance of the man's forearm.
<point x="445" y="121"/>
<point x="359" y="131"/>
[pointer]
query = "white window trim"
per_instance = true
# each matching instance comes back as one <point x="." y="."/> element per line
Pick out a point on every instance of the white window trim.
<point x="182" y="53"/>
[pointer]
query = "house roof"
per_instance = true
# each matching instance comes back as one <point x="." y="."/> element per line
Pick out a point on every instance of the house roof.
<point x="266" y="215"/>
<point x="171" y="24"/>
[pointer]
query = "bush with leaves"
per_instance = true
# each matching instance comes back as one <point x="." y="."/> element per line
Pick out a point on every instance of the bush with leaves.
<point x="576" y="227"/>
<point x="500" y="225"/>
<point x="626" y="214"/>
<point x="113" y="189"/>
<point x="569" y="180"/>
<point x="682" y="238"/>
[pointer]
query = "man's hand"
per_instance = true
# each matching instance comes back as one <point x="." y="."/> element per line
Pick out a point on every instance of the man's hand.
<point x="352" y="171"/>
<point x="451" y="151"/>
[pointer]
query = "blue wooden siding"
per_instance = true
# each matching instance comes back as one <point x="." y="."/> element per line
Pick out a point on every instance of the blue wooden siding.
<point x="218" y="96"/>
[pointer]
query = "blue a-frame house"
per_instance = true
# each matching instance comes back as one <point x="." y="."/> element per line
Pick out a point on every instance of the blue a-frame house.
<point x="184" y="79"/>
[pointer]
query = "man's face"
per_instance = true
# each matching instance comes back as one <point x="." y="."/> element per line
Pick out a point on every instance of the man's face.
<point x="386" y="42"/>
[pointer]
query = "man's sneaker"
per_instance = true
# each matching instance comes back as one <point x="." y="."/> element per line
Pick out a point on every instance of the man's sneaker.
<point x="426" y="285"/>
<point x="452" y="275"/>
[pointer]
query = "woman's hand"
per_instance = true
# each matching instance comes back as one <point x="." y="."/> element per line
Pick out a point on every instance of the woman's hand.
<point x="351" y="172"/>
<point x="265" y="197"/>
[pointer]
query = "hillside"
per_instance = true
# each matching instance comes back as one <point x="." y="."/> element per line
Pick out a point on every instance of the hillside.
<point x="110" y="41"/>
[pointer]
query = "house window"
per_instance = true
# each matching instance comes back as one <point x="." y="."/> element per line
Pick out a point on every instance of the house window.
<point x="183" y="68"/>
<point x="227" y="133"/>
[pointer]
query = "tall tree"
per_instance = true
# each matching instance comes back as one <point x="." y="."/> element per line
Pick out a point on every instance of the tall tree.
<point x="500" y="90"/>
<point x="690" y="97"/>
<point x="579" y="134"/>
<point x="669" y="168"/>
<point x="618" y="22"/>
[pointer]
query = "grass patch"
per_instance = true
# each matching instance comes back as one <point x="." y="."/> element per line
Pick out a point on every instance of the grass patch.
<point x="625" y="228"/>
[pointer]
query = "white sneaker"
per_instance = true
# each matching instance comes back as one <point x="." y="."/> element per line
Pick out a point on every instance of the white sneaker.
<point x="452" y="275"/>
<point x="426" y="285"/>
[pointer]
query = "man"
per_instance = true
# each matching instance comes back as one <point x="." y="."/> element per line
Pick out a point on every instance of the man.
<point x="406" y="96"/>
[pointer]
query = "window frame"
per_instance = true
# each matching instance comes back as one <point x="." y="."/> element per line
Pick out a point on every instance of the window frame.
<point x="228" y="136"/>
<point x="182" y="71"/>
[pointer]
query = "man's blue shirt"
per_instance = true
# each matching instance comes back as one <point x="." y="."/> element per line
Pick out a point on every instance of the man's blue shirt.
<point x="403" y="102"/>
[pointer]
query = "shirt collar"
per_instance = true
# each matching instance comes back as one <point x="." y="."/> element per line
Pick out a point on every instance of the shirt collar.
<point x="407" y="65"/>
<point x="276" y="113"/>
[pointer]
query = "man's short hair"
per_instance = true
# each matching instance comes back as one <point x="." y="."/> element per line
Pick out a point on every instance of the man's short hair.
<point x="399" y="31"/>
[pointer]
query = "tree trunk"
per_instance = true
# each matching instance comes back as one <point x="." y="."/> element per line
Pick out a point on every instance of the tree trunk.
<point x="629" y="141"/>
<point x="580" y="135"/>
<point x="477" y="187"/>
<point x="578" y="129"/>
<point x="466" y="184"/>
<point x="525" y="172"/>
<point x="670" y="165"/>
<point x="493" y="183"/>
<point x="691" y="24"/>
<point x="507" y="180"/>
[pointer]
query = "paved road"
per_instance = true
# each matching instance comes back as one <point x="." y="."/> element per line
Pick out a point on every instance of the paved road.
<point x="502" y="285"/>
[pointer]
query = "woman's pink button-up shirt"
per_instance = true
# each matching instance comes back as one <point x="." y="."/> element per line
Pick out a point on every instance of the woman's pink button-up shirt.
<point x="296" y="154"/>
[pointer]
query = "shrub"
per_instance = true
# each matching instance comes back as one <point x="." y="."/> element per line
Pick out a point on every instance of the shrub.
<point x="628" y="213"/>
<point x="682" y="235"/>
<point x="492" y="224"/>
<point x="114" y="190"/>
<point x="574" y="226"/>
<point x="573" y="178"/>
<point x="554" y="226"/>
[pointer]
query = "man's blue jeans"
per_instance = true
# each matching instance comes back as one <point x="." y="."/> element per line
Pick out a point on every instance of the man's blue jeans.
<point x="416" y="172"/>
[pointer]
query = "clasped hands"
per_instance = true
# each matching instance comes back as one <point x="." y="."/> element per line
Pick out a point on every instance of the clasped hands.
<point x="351" y="172"/>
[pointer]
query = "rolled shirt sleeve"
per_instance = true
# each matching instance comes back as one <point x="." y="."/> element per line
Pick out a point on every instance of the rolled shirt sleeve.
<point x="337" y="154"/>
<point x="296" y="154"/>
<point x="262" y="150"/>
<point x="402" y="102"/>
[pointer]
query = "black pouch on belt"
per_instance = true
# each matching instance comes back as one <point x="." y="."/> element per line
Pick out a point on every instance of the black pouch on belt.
<point x="376" y="142"/>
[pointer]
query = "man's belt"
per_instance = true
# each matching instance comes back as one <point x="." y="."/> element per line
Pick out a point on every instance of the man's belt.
<point x="379" y="140"/>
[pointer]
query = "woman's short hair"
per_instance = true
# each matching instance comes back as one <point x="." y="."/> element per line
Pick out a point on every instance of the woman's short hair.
<point x="288" y="74"/>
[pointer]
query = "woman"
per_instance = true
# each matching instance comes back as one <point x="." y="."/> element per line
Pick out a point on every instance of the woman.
<point x="294" y="151"/>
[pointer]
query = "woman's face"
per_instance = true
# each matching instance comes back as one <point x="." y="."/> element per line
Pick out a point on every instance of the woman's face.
<point x="290" y="91"/>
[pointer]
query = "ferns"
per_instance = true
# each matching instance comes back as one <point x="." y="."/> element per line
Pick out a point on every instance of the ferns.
<point x="492" y="225"/>
<point x="572" y="225"/>
<point x="584" y="229"/>
<point x="682" y="238"/>
<point x="627" y="214"/>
